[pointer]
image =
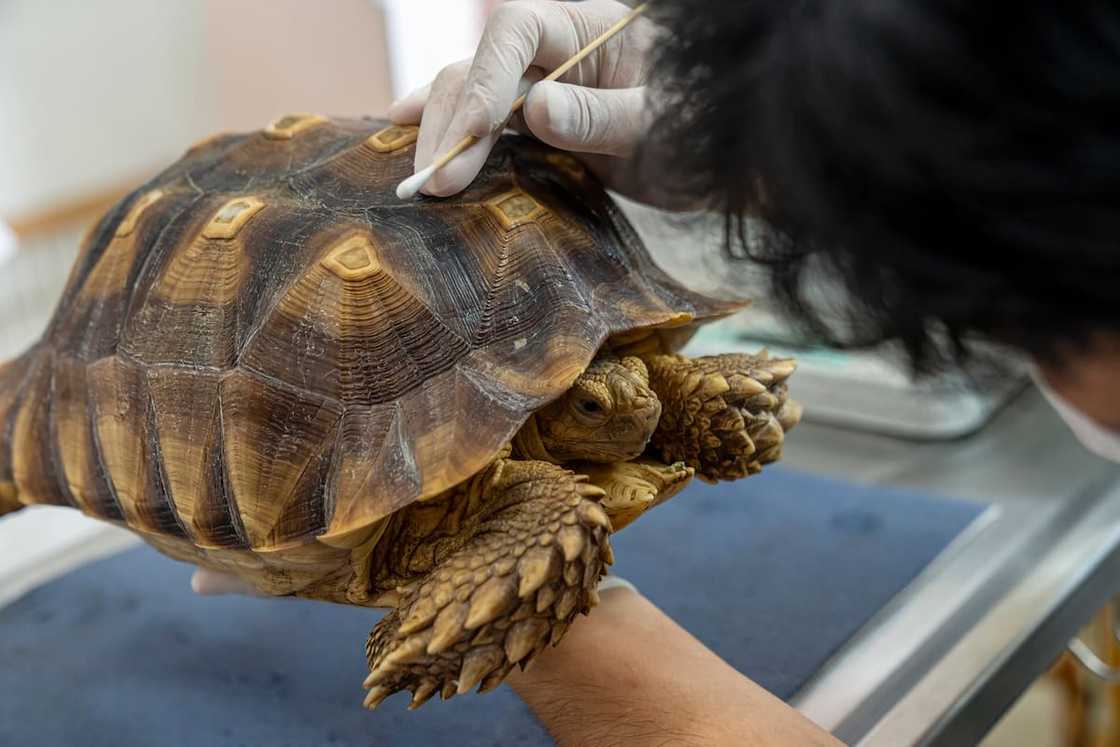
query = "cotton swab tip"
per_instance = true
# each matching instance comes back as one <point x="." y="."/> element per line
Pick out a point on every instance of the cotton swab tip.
<point x="407" y="189"/>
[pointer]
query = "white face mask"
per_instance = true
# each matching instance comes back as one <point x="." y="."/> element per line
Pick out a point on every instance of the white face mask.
<point x="1093" y="436"/>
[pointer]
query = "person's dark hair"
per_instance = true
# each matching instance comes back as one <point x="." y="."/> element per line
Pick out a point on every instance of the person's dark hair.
<point x="955" y="164"/>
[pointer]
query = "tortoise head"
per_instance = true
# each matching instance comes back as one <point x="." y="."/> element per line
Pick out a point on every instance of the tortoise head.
<point x="608" y="415"/>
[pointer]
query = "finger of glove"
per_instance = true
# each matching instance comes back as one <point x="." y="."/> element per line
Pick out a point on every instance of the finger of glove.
<point x="588" y="120"/>
<point x="521" y="35"/>
<point x="410" y="109"/>
<point x="480" y="92"/>
<point x="461" y="170"/>
<point x="439" y="108"/>
<point x="209" y="583"/>
<point x="517" y="35"/>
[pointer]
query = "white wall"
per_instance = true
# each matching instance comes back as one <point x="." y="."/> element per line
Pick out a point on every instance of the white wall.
<point x="267" y="58"/>
<point x="94" y="94"/>
<point x="426" y="35"/>
<point x="97" y="95"/>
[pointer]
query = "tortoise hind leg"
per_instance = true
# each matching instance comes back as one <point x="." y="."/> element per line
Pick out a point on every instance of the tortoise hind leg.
<point x="9" y="502"/>
<point x="11" y="375"/>
<point x="511" y="588"/>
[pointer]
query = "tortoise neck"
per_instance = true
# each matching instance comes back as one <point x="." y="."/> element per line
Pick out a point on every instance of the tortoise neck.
<point x="528" y="444"/>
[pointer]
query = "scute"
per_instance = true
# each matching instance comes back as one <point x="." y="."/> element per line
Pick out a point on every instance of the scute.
<point x="264" y="346"/>
<point x="278" y="445"/>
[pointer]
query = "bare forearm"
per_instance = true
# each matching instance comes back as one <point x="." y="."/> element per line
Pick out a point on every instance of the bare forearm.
<point x="629" y="675"/>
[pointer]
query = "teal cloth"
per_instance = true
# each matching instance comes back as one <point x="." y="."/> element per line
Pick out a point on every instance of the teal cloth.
<point x="774" y="573"/>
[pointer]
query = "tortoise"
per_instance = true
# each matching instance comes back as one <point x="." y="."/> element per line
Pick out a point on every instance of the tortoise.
<point x="267" y="364"/>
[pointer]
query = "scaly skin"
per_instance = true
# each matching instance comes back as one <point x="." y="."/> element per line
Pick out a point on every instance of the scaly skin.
<point x="607" y="416"/>
<point x="488" y="574"/>
<point x="724" y="415"/>
<point x="498" y="593"/>
<point x="632" y="488"/>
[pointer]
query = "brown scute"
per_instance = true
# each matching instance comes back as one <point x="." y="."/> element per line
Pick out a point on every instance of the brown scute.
<point x="258" y="164"/>
<point x="132" y="217"/>
<point x="278" y="446"/>
<point x="372" y="459"/>
<point x="362" y="339"/>
<point x="193" y="302"/>
<point x="217" y="523"/>
<point x="355" y="179"/>
<point x="125" y="427"/>
<point x="395" y="454"/>
<point x="93" y="245"/>
<point x="426" y="255"/>
<point x="531" y="286"/>
<point x="33" y="455"/>
<point x="89" y="322"/>
<point x="12" y="378"/>
<point x="75" y="443"/>
<point x="277" y="248"/>
<point x="187" y="428"/>
<point x="243" y="392"/>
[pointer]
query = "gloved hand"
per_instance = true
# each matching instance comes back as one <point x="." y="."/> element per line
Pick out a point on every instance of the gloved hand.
<point x="215" y="583"/>
<point x="597" y="109"/>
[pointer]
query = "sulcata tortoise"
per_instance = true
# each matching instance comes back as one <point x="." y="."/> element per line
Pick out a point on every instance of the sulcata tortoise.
<point x="267" y="364"/>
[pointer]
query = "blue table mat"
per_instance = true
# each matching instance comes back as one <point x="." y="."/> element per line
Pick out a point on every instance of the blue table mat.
<point x="774" y="573"/>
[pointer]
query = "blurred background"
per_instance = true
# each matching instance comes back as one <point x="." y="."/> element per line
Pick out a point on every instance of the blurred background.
<point x="95" y="97"/>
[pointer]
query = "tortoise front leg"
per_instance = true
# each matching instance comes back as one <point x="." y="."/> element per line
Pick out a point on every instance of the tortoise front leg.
<point x="507" y="591"/>
<point x="723" y="415"/>
<point x="632" y="488"/>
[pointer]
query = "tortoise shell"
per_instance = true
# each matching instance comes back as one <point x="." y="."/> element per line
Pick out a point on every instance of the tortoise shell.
<point x="264" y="346"/>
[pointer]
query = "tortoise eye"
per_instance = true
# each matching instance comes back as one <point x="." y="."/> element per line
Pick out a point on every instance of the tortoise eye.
<point x="590" y="407"/>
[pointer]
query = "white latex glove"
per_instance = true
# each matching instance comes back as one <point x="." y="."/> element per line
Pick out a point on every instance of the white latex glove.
<point x="214" y="583"/>
<point x="597" y="109"/>
<point x="8" y="243"/>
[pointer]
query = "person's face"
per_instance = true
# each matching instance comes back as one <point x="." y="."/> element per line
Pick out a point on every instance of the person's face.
<point x="1085" y="389"/>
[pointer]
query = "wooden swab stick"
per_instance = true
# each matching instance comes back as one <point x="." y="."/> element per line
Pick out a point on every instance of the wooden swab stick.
<point x="410" y="186"/>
